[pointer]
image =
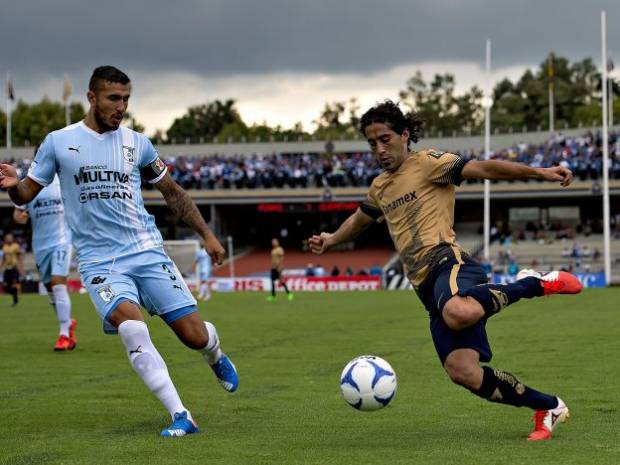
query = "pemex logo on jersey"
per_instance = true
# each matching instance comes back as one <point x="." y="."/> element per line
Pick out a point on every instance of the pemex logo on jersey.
<point x="402" y="200"/>
<point x="129" y="153"/>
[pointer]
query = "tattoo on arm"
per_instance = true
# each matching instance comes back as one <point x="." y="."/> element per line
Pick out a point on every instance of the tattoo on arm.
<point x="182" y="204"/>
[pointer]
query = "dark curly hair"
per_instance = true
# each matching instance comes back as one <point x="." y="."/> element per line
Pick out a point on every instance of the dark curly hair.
<point x="390" y="114"/>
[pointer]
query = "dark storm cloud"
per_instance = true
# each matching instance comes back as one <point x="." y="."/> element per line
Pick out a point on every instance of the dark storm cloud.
<point x="219" y="37"/>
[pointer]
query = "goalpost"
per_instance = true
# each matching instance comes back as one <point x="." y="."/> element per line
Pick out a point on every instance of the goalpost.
<point x="183" y="253"/>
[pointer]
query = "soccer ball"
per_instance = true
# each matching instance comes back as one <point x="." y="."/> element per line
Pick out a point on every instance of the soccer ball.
<point x="368" y="383"/>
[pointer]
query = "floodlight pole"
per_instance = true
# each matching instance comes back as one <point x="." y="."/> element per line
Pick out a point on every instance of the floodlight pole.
<point x="487" y="102"/>
<point x="231" y="260"/>
<point x="9" y="137"/>
<point x="606" y="227"/>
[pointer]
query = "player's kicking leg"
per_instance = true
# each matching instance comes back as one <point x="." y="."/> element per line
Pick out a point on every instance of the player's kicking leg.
<point x="554" y="282"/>
<point x="202" y="336"/>
<point x="474" y="302"/>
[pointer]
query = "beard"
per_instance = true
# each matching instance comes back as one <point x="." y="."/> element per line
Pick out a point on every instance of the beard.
<point x="103" y="125"/>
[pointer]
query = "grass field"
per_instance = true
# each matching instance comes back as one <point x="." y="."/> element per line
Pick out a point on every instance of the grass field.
<point x="88" y="406"/>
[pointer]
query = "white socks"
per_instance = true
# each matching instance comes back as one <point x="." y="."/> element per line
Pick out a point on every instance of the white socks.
<point x="204" y="291"/>
<point x="62" y="304"/>
<point x="211" y="352"/>
<point x="149" y="365"/>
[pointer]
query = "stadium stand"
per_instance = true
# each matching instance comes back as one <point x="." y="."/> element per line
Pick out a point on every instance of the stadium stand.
<point x="305" y="172"/>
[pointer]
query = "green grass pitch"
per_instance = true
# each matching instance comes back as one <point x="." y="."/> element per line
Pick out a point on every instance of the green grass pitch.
<point x="89" y="407"/>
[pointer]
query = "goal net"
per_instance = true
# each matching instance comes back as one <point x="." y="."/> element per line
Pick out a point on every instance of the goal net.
<point x="183" y="253"/>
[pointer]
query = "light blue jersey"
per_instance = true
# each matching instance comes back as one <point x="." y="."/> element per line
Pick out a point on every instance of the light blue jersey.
<point x="47" y="214"/>
<point x="100" y="177"/>
<point x="203" y="264"/>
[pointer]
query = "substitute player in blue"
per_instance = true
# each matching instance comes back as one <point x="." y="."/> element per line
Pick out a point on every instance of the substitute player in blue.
<point x="120" y="250"/>
<point x="51" y="244"/>
<point x="202" y="267"/>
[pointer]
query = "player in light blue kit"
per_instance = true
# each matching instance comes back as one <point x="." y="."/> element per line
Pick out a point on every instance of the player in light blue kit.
<point x="51" y="243"/>
<point x="120" y="250"/>
<point x="202" y="267"/>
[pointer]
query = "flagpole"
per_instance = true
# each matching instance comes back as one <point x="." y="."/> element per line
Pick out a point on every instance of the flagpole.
<point x="611" y="97"/>
<point x="550" y="75"/>
<point x="487" y="154"/>
<point x="8" y="114"/>
<point x="605" y="141"/>
<point x="66" y="93"/>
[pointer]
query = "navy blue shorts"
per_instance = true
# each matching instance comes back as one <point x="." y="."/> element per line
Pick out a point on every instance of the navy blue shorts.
<point x="454" y="276"/>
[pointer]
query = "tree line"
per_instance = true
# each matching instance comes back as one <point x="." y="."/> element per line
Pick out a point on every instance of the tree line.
<point x="522" y="105"/>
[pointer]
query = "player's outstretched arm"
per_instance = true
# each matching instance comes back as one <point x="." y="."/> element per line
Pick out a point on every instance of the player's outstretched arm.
<point x="21" y="192"/>
<point x="495" y="169"/>
<point x="182" y="204"/>
<point x="352" y="227"/>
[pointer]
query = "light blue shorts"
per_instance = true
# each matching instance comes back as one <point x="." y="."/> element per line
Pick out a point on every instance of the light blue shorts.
<point x="148" y="278"/>
<point x="204" y="275"/>
<point x="54" y="261"/>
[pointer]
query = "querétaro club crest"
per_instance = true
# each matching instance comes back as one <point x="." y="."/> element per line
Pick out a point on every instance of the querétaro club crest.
<point x="129" y="153"/>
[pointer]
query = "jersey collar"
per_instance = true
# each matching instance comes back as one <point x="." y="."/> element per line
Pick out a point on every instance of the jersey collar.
<point x="95" y="133"/>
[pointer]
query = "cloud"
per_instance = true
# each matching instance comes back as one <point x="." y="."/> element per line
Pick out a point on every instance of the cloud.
<point x="286" y="98"/>
<point x="283" y="59"/>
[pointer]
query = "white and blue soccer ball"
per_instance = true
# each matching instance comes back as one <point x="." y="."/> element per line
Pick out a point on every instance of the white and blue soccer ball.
<point x="368" y="383"/>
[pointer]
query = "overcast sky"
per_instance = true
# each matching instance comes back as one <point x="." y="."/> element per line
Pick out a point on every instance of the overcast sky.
<point x="283" y="59"/>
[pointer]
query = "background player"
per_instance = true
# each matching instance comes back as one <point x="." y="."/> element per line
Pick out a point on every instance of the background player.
<point x="13" y="265"/>
<point x="120" y="250"/>
<point x="51" y="244"/>
<point x="415" y="196"/>
<point x="277" y="265"/>
<point x="202" y="267"/>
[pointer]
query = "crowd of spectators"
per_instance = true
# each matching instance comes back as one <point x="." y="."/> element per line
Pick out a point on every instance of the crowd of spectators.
<point x="582" y="155"/>
<point x="300" y="170"/>
<point x="293" y="170"/>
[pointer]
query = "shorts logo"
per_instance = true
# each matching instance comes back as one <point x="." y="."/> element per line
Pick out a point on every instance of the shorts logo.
<point x="97" y="280"/>
<point x="106" y="293"/>
<point x="129" y="153"/>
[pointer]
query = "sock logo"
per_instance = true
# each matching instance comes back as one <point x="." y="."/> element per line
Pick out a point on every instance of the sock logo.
<point x="500" y="300"/>
<point x="511" y="380"/>
<point x="496" y="396"/>
<point x="136" y="351"/>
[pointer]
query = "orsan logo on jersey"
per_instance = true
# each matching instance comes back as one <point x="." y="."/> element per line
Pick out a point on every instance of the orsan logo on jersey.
<point x="402" y="200"/>
<point x="86" y="175"/>
<point x="105" y="195"/>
